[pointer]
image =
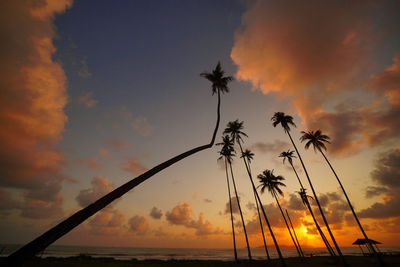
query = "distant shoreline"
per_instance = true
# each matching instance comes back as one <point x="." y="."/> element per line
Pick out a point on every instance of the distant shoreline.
<point x="85" y="260"/>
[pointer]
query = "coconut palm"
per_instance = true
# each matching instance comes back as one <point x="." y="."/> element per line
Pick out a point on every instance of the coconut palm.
<point x="289" y="155"/>
<point x="286" y="121"/>
<point x="304" y="197"/>
<point x="235" y="129"/>
<point x="318" y="140"/>
<point x="247" y="155"/>
<point x="294" y="232"/>
<point x="227" y="152"/>
<point x="273" y="183"/>
<point x="219" y="85"/>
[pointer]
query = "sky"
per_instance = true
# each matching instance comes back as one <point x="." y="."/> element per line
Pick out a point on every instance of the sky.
<point x="94" y="93"/>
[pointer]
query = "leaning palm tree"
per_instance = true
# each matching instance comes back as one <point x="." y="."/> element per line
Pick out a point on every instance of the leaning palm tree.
<point x="235" y="129"/>
<point x="318" y="140"/>
<point x="247" y="155"/>
<point x="227" y="152"/>
<point x="219" y="85"/>
<point x="289" y="155"/>
<point x="273" y="183"/>
<point x="286" y="121"/>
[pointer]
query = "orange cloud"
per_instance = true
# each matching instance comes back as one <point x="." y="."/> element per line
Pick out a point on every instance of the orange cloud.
<point x="32" y="100"/>
<point x="307" y="54"/>
<point x="100" y="187"/>
<point x="134" y="166"/>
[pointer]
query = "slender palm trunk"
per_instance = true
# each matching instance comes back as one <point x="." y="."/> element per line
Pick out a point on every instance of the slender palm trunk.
<point x="259" y="217"/>
<point x="352" y="209"/>
<point x="49" y="237"/>
<point x="294" y="233"/>
<point x="319" y="205"/>
<point x="230" y="207"/>
<point x="328" y="246"/>
<point x="261" y="226"/>
<point x="287" y="225"/>
<point x="263" y="211"/>
<point x="240" y="211"/>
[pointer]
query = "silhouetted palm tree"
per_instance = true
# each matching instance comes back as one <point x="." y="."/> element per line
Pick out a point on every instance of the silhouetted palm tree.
<point x="304" y="197"/>
<point x="219" y="85"/>
<point x="286" y="121"/>
<point x="234" y="128"/>
<point x="227" y="152"/>
<point x="318" y="140"/>
<point x="271" y="182"/>
<point x="247" y="155"/>
<point x="294" y="232"/>
<point x="289" y="155"/>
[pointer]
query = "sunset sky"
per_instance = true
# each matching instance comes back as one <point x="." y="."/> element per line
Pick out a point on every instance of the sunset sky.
<point x="94" y="93"/>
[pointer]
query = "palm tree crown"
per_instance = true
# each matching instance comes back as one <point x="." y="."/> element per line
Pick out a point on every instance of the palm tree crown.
<point x="216" y="77"/>
<point x="227" y="149"/>
<point x="234" y="128"/>
<point x="317" y="139"/>
<point x="271" y="182"/>
<point x="283" y="119"/>
<point x="289" y="155"/>
<point x="247" y="154"/>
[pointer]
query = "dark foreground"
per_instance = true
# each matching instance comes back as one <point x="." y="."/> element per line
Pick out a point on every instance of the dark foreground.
<point x="357" y="261"/>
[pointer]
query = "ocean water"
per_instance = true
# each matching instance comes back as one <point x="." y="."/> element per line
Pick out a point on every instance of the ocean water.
<point x="127" y="253"/>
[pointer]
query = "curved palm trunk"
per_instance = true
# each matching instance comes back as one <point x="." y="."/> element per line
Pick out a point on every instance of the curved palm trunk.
<point x="328" y="246"/>
<point x="319" y="205"/>
<point x="352" y="209"/>
<point x="263" y="211"/>
<point x="294" y="233"/>
<point x="43" y="241"/>
<point x="287" y="226"/>
<point x="240" y="211"/>
<point x="230" y="207"/>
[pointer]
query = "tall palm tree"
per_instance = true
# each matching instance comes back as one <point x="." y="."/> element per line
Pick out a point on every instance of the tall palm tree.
<point x="247" y="155"/>
<point x="235" y="129"/>
<point x="219" y="85"/>
<point x="271" y="182"/>
<point x="289" y="155"/>
<point x="227" y="152"/>
<point x="318" y="140"/>
<point x="294" y="232"/>
<point x="286" y="121"/>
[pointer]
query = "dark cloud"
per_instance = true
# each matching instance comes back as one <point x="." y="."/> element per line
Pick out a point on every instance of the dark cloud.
<point x="206" y="200"/>
<point x="156" y="213"/>
<point x="387" y="175"/>
<point x="100" y="187"/>
<point x="235" y="207"/>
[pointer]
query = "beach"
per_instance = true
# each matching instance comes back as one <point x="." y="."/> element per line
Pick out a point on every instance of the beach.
<point x="390" y="260"/>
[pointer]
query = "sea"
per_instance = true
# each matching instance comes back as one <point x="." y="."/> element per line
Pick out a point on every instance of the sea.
<point x="128" y="253"/>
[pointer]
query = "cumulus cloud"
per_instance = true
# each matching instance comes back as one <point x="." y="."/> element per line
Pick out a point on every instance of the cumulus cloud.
<point x="275" y="147"/>
<point x="107" y="222"/>
<point x="156" y="213"/>
<point x="100" y="187"/>
<point x="84" y="70"/>
<point x="87" y="100"/>
<point x="116" y="144"/>
<point x="181" y="215"/>
<point x="235" y="207"/>
<point x="134" y="166"/>
<point x="138" y="123"/>
<point x="91" y="163"/>
<point x="138" y="225"/>
<point x="32" y="101"/>
<point x="301" y="52"/>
